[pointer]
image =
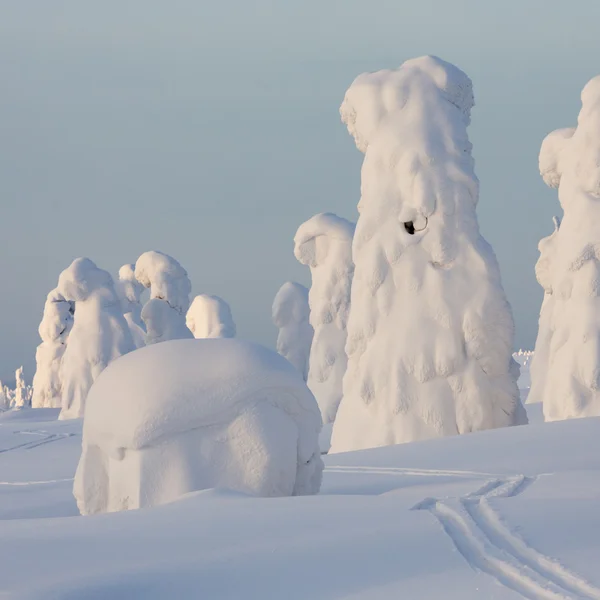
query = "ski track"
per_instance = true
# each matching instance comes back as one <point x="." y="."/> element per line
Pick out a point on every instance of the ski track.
<point x="47" y="439"/>
<point x="407" y="471"/>
<point x="488" y="545"/>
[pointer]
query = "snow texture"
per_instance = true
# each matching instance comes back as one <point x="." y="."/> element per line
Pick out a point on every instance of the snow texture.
<point x="291" y="316"/>
<point x="324" y="243"/>
<point x="570" y="161"/>
<point x="129" y="290"/>
<point x="543" y="272"/>
<point x="54" y="330"/>
<point x="194" y="414"/>
<point x="170" y="287"/>
<point x="210" y="317"/>
<point x="430" y="332"/>
<point x="99" y="334"/>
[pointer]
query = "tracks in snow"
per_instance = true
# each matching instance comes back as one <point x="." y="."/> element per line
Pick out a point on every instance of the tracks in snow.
<point x="488" y="545"/>
<point x="407" y="471"/>
<point x="46" y="438"/>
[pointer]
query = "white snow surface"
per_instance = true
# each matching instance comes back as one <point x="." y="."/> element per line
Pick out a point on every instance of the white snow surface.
<point x="129" y="290"/>
<point x="570" y="161"/>
<point x="210" y="317"/>
<point x="324" y="243"/>
<point x="291" y="315"/>
<point x="188" y="415"/>
<point x="99" y="334"/>
<point x="430" y="332"/>
<point x="504" y="514"/>
<point x="169" y="283"/>
<point x="54" y="329"/>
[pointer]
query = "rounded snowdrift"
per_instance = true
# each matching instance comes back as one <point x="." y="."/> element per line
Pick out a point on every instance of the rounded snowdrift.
<point x="187" y="415"/>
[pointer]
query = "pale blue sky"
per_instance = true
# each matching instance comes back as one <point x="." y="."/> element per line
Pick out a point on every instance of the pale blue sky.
<point x="210" y="131"/>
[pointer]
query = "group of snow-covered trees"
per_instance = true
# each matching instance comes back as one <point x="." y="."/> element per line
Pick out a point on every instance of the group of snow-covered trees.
<point x="90" y="320"/>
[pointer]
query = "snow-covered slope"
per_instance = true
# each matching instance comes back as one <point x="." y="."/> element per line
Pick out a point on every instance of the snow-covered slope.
<point x="502" y="514"/>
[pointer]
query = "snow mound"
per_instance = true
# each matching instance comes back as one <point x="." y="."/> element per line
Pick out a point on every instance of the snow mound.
<point x="187" y="415"/>
<point x="430" y="332"/>
<point x="210" y="317"/>
<point x="291" y="315"/>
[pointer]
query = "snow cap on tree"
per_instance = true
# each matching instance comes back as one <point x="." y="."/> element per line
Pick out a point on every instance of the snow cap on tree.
<point x="129" y="290"/>
<point x="210" y="317"/>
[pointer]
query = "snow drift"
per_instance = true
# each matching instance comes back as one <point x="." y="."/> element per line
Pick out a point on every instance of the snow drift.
<point x="170" y="287"/>
<point x="430" y="332"/>
<point x="99" y="334"/>
<point x="324" y="243"/>
<point x="210" y="317"/>
<point x="54" y="329"/>
<point x="291" y="316"/>
<point x="570" y="161"/>
<point x="193" y="414"/>
<point x="129" y="290"/>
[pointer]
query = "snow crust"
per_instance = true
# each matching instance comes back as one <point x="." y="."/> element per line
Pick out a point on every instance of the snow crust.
<point x="54" y="330"/>
<point x="210" y="317"/>
<point x="170" y="288"/>
<point x="324" y="243"/>
<point x="98" y="336"/>
<point x="570" y="161"/>
<point x="430" y="332"/>
<point x="193" y="414"/>
<point x="129" y="290"/>
<point x="291" y="316"/>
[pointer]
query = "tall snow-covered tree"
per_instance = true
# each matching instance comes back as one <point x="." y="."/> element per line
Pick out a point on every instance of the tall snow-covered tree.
<point x="430" y="332"/>
<point x="23" y="392"/>
<point x="170" y="287"/>
<point x="99" y="334"/>
<point x="210" y="317"/>
<point x="54" y="330"/>
<point x="129" y="290"/>
<point x="324" y="243"/>
<point x="291" y="316"/>
<point x="570" y="161"/>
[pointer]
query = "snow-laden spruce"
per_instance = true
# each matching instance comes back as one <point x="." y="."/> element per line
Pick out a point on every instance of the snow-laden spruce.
<point x="188" y="415"/>
<point x="291" y="316"/>
<point x="54" y="329"/>
<point x="23" y="392"/>
<point x="570" y="161"/>
<point x="210" y="317"/>
<point x="430" y="332"/>
<point x="324" y="243"/>
<point x="543" y="272"/>
<point x="99" y="334"/>
<point x="164" y="314"/>
<point x="129" y="290"/>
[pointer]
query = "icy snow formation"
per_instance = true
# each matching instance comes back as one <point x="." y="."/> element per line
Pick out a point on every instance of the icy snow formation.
<point x="99" y="334"/>
<point x="324" y="243"/>
<point x="291" y="316"/>
<point x="570" y="161"/>
<point x="194" y="414"/>
<point x="54" y="330"/>
<point x="210" y="317"/>
<point x="430" y="332"/>
<point x="129" y="290"/>
<point x="170" y="287"/>
<point x="23" y="392"/>
<point x="543" y="272"/>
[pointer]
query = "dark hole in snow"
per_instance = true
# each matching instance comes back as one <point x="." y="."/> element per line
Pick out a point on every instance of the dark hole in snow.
<point x="410" y="227"/>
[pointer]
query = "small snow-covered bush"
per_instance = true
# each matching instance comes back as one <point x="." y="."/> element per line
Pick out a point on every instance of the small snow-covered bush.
<point x="129" y="290"/>
<point x="99" y="334"/>
<point x="210" y="317"/>
<point x="291" y="315"/>
<point x="188" y="415"/>
<point x="170" y="286"/>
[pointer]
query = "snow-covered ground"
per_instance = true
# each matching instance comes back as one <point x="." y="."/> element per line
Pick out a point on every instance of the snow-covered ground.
<point x="507" y="513"/>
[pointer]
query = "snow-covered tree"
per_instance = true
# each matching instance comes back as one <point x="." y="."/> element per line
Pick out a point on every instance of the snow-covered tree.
<point x="210" y="317"/>
<point x="430" y="332"/>
<point x="54" y="329"/>
<point x="4" y="403"/>
<point x="543" y="271"/>
<point x="324" y="243"/>
<point x="129" y="290"/>
<point x="291" y="315"/>
<point x="99" y="334"/>
<point x="23" y="392"/>
<point x="170" y="287"/>
<point x="570" y="161"/>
